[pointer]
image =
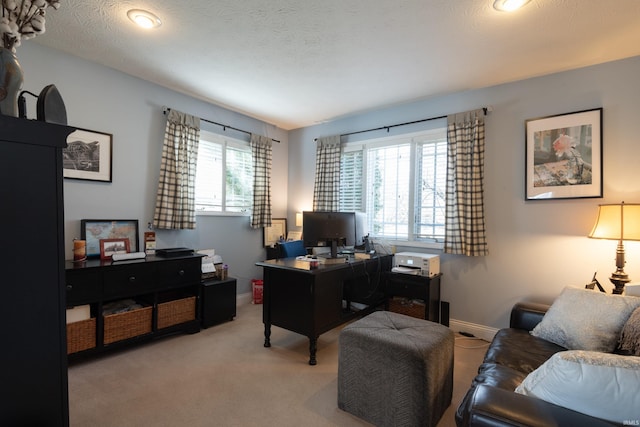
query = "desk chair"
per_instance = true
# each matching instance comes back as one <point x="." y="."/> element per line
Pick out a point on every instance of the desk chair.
<point x="292" y="249"/>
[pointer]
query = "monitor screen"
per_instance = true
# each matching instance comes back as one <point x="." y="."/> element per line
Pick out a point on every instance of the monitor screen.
<point x="329" y="229"/>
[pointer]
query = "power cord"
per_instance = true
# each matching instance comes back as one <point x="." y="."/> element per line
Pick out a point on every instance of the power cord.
<point x="466" y="336"/>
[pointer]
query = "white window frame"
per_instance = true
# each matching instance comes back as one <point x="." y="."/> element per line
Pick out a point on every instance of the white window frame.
<point x="225" y="142"/>
<point x="413" y="140"/>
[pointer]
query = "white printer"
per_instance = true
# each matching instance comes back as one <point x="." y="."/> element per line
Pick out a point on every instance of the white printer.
<point x="416" y="263"/>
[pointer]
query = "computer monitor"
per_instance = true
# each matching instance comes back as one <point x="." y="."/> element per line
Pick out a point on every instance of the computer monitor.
<point x="321" y="228"/>
<point x="362" y="230"/>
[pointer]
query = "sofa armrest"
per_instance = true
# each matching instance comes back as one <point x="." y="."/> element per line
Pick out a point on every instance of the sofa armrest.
<point x="492" y="406"/>
<point x="526" y="315"/>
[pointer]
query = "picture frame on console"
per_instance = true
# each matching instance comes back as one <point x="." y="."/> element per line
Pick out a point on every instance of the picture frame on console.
<point x="88" y="156"/>
<point x="94" y="230"/>
<point x="563" y="156"/>
<point x="277" y="230"/>
<point x="108" y="247"/>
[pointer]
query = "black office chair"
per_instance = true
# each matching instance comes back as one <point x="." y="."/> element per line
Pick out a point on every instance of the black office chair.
<point x="292" y="249"/>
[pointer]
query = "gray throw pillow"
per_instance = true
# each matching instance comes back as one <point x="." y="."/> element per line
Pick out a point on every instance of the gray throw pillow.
<point x="630" y="337"/>
<point x="582" y="319"/>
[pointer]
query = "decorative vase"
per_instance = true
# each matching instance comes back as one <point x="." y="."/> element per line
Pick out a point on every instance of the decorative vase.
<point x="11" y="78"/>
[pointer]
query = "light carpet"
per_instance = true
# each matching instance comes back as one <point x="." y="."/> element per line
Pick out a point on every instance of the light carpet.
<point x="224" y="376"/>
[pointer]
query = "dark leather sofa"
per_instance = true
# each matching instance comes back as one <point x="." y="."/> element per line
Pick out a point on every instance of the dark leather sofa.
<point x="511" y="356"/>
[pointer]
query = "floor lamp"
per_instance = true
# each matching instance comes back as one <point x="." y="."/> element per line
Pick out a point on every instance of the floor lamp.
<point x="618" y="222"/>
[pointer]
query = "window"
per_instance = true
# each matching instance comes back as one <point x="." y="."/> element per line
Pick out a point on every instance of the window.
<point x="224" y="175"/>
<point x="400" y="183"/>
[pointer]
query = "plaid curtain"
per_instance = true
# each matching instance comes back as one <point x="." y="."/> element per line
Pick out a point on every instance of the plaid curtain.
<point x="262" y="154"/>
<point x="175" y="200"/>
<point x="326" y="190"/>
<point x="464" y="218"/>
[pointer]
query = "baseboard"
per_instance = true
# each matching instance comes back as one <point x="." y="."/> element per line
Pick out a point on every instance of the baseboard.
<point x="479" y="331"/>
<point x="242" y="299"/>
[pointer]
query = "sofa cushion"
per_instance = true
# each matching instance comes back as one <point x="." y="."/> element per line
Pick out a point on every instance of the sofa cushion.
<point x="581" y="319"/>
<point x="518" y="350"/>
<point x="578" y="379"/>
<point x="500" y="376"/>
<point x="630" y="337"/>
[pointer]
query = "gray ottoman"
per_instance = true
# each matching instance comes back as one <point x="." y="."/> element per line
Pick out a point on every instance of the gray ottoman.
<point x="395" y="370"/>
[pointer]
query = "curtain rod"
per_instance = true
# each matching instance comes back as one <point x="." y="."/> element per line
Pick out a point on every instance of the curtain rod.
<point x="224" y="127"/>
<point x="485" y="109"/>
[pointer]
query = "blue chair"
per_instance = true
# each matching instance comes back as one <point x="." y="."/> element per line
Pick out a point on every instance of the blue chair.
<point x="292" y="249"/>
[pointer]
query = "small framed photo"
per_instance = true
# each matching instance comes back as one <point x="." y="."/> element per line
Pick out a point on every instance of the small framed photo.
<point x="277" y="231"/>
<point x="294" y="235"/>
<point x="94" y="230"/>
<point x="88" y="155"/>
<point x="563" y="157"/>
<point x="108" y="247"/>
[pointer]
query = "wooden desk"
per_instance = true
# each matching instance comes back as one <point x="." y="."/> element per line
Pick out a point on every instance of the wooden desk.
<point x="313" y="301"/>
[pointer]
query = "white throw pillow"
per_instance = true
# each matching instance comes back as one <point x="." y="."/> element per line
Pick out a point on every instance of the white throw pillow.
<point x="582" y="319"/>
<point x="597" y="384"/>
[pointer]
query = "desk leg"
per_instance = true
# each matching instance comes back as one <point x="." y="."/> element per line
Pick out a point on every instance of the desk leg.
<point x="313" y="347"/>
<point x="267" y="334"/>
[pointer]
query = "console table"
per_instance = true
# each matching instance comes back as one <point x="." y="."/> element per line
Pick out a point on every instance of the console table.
<point x="311" y="301"/>
<point x="167" y="290"/>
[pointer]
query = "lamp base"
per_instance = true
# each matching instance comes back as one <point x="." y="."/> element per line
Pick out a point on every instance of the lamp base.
<point x="619" y="279"/>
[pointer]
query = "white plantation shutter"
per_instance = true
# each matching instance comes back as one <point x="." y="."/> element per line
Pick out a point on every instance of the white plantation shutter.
<point x="239" y="179"/>
<point x="400" y="183"/>
<point x="209" y="182"/>
<point x="389" y="174"/>
<point x="224" y="176"/>
<point x="430" y="188"/>
<point x="351" y="181"/>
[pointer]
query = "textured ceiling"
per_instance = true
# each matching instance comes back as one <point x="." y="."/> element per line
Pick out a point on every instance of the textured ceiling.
<point x="295" y="63"/>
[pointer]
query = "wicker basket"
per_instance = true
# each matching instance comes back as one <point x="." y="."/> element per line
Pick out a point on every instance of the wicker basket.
<point x="81" y="335"/>
<point x="176" y="312"/>
<point x="413" y="308"/>
<point x="121" y="326"/>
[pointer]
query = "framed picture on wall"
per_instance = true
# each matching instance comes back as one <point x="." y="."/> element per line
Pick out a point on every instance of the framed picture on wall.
<point x="277" y="231"/>
<point x="94" y="230"/>
<point x="88" y="155"/>
<point x="563" y="157"/>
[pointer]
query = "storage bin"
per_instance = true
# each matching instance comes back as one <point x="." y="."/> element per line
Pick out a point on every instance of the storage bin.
<point x="81" y="335"/>
<point x="177" y="311"/>
<point x="257" y="287"/>
<point x="410" y="307"/>
<point x="120" y="326"/>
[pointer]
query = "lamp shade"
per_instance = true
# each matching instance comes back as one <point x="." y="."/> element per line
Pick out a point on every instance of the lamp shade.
<point x="617" y="222"/>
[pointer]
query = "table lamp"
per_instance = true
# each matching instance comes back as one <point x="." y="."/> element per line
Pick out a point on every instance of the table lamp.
<point x="618" y="222"/>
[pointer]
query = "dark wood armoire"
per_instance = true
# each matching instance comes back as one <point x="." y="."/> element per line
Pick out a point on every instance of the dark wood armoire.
<point x="33" y="372"/>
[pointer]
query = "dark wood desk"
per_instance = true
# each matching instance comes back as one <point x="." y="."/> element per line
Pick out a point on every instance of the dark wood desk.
<point x="313" y="301"/>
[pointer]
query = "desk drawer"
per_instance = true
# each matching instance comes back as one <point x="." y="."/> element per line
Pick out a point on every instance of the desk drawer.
<point x="83" y="287"/>
<point x="179" y="272"/>
<point x="129" y="280"/>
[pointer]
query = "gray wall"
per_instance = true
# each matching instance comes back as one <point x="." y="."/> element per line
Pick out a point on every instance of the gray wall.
<point x="105" y="100"/>
<point x="536" y="247"/>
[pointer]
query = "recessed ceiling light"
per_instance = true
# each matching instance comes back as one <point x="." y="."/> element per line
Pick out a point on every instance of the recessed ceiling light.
<point x="509" y="5"/>
<point x="144" y="19"/>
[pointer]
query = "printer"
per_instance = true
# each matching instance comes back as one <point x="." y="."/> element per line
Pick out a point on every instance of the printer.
<point x="416" y="263"/>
